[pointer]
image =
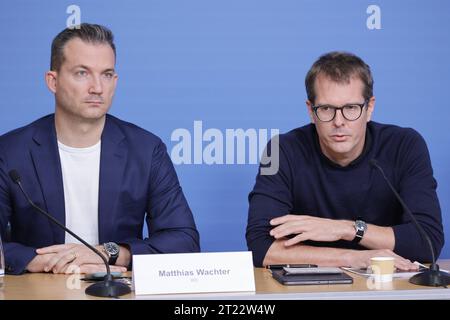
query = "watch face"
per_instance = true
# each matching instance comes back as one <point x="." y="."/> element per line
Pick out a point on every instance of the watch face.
<point x="112" y="248"/>
<point x="360" y="225"/>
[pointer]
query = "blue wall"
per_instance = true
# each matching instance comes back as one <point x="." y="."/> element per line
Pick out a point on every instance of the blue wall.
<point x="239" y="64"/>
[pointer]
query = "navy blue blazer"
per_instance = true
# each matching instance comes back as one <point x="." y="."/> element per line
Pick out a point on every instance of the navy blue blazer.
<point x="137" y="183"/>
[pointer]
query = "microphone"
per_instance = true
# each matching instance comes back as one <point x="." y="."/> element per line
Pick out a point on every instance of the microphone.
<point x="432" y="277"/>
<point x="108" y="287"/>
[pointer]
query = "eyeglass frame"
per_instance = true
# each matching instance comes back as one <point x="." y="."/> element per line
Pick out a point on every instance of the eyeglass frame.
<point x="360" y="105"/>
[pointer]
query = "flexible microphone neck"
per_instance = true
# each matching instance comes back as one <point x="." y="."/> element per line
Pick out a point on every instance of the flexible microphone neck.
<point x="108" y="271"/>
<point x="106" y="288"/>
<point x="422" y="232"/>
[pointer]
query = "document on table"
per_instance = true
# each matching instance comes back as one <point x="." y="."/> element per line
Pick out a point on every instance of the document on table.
<point x="366" y="272"/>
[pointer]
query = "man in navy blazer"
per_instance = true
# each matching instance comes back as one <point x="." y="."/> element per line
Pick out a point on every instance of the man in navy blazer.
<point x="96" y="174"/>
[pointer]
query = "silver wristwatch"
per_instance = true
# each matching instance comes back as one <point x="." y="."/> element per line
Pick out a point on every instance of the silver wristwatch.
<point x="360" y="227"/>
<point x="112" y="249"/>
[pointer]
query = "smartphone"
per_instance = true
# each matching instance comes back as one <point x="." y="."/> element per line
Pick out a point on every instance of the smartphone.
<point x="315" y="270"/>
<point x="282" y="266"/>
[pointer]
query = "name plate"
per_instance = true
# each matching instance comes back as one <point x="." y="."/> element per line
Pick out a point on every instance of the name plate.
<point x="193" y="272"/>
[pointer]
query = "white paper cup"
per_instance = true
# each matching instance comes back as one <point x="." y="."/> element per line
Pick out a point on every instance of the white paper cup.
<point x="382" y="268"/>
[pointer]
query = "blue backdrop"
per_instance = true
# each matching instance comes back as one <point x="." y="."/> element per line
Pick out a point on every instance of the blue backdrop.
<point x="239" y="64"/>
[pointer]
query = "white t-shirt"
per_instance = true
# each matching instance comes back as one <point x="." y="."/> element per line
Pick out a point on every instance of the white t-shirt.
<point x="81" y="174"/>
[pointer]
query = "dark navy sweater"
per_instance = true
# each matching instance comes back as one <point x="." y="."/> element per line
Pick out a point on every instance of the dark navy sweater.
<point x="307" y="182"/>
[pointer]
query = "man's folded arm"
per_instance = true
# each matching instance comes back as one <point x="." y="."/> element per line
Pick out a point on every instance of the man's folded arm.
<point x="278" y="253"/>
<point x="271" y="197"/>
<point x="171" y="226"/>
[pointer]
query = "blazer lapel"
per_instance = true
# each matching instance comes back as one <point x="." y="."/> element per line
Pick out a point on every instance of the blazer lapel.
<point x="45" y="155"/>
<point x="113" y="159"/>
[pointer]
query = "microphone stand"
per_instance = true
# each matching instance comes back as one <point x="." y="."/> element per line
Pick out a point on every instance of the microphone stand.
<point x="432" y="277"/>
<point x="108" y="287"/>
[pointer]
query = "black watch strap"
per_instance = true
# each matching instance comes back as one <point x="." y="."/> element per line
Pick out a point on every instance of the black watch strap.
<point x="360" y="227"/>
<point x="112" y="260"/>
<point x="358" y="237"/>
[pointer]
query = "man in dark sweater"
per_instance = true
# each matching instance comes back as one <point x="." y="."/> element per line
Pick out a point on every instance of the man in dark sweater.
<point x="327" y="205"/>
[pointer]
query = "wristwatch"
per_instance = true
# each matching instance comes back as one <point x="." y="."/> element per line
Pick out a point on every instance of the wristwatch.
<point x="360" y="227"/>
<point x="112" y="250"/>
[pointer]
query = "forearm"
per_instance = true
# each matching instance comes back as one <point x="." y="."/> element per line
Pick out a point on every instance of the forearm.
<point x="410" y="244"/>
<point x="176" y="240"/>
<point x="278" y="253"/>
<point x="164" y="241"/>
<point x="124" y="258"/>
<point x="375" y="237"/>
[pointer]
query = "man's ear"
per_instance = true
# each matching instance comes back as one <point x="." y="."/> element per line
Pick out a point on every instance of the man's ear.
<point x="50" y="80"/>
<point x="370" y="108"/>
<point x="310" y="111"/>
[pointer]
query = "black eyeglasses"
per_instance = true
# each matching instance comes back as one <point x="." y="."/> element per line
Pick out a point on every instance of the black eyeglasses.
<point x="327" y="113"/>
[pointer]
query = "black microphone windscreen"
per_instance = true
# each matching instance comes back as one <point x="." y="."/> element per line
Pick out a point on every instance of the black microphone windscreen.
<point x="14" y="175"/>
<point x="373" y="162"/>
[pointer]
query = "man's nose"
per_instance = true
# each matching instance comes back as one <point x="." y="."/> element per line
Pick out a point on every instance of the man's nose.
<point x="339" y="119"/>
<point x="96" y="85"/>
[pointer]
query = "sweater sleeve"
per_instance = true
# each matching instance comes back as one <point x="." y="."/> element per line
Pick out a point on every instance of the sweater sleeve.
<point x="271" y="197"/>
<point x="417" y="187"/>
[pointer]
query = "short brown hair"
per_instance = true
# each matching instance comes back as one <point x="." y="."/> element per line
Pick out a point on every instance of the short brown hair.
<point x="340" y="67"/>
<point x="91" y="33"/>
